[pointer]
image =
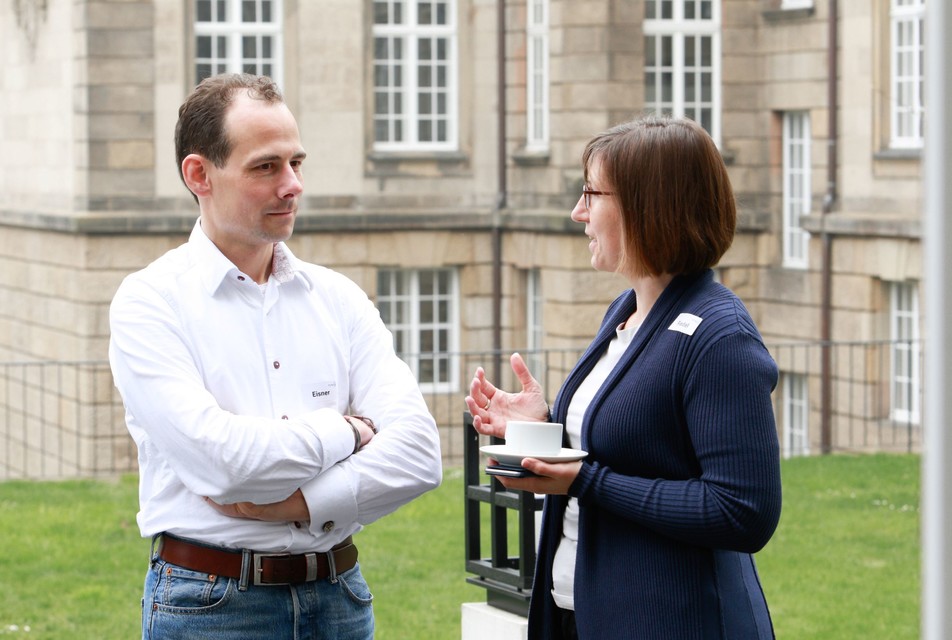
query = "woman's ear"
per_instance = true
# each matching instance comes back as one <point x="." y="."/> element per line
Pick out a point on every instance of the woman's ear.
<point x="195" y="176"/>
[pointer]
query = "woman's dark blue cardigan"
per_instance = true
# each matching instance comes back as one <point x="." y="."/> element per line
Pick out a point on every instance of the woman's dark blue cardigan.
<point x="682" y="481"/>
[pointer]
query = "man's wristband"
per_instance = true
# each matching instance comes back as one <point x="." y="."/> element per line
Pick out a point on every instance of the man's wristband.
<point x="356" y="434"/>
<point x="367" y="421"/>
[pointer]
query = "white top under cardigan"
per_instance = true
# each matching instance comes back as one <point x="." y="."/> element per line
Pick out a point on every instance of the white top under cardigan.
<point x="563" y="566"/>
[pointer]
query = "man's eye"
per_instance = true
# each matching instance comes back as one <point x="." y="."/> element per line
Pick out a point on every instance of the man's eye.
<point x="266" y="166"/>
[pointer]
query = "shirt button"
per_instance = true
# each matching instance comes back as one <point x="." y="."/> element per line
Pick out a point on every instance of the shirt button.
<point x="297" y="524"/>
<point x="242" y="278"/>
<point x="328" y="526"/>
<point x="277" y="365"/>
<point x="284" y="417"/>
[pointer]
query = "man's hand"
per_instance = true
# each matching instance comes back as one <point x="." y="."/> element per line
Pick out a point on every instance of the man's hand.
<point x="291" y="509"/>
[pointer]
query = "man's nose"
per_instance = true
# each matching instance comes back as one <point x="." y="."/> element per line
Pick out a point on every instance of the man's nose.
<point x="291" y="183"/>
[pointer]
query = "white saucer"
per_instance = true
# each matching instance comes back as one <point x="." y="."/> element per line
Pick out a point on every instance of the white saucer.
<point x="506" y="455"/>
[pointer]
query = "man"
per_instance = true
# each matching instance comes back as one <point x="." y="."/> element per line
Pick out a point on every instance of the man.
<point x="272" y="417"/>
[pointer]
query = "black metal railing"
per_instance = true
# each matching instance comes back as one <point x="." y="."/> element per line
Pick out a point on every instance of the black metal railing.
<point x="505" y="574"/>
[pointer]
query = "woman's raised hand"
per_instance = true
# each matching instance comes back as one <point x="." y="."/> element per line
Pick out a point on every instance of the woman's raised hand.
<point x="492" y="407"/>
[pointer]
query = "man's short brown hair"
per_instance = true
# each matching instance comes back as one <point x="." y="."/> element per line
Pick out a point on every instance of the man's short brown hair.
<point x="201" y="123"/>
<point x="677" y="205"/>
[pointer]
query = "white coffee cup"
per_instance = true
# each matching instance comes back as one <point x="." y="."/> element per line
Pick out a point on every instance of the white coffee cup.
<point x="534" y="438"/>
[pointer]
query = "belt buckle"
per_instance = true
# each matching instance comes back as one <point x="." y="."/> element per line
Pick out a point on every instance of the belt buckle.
<point x="256" y="578"/>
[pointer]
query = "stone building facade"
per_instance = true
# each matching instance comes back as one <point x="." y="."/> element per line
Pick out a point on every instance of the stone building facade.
<point x="443" y="144"/>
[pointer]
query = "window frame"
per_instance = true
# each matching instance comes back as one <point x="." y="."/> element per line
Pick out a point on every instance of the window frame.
<point x="796" y="414"/>
<point x="537" y="75"/>
<point x="534" y="327"/>
<point x="792" y="5"/>
<point x="412" y="329"/>
<point x="905" y="366"/>
<point x="796" y="171"/>
<point x="906" y="86"/>
<point x="234" y="30"/>
<point x="679" y="28"/>
<point x="410" y="34"/>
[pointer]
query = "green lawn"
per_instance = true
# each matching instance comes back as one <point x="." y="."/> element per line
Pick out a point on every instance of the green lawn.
<point x="845" y="561"/>
<point x="843" y="565"/>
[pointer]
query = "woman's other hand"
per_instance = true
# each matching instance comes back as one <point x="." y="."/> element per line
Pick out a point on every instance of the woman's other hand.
<point x="550" y="478"/>
<point x="492" y="407"/>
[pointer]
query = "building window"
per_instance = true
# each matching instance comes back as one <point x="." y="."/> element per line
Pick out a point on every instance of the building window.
<point x="796" y="413"/>
<point x="537" y="76"/>
<point x="789" y="5"/>
<point x="238" y="36"/>
<point x="796" y="187"/>
<point x="682" y="60"/>
<point x="415" y="95"/>
<point x="534" y="333"/>
<point x="905" y="385"/>
<point x="420" y="309"/>
<point x="906" y="73"/>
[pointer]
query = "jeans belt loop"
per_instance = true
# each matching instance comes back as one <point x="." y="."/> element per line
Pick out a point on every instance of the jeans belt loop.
<point x="245" y="570"/>
<point x="331" y="567"/>
<point x="153" y="553"/>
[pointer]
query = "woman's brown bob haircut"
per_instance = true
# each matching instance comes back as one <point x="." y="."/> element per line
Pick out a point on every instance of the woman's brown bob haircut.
<point x="677" y="206"/>
<point x="201" y="123"/>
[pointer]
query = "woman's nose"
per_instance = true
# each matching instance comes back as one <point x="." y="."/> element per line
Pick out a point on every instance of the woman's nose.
<point x="580" y="212"/>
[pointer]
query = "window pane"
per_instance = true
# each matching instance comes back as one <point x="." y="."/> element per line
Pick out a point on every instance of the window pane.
<point x="381" y="12"/>
<point x="249" y="12"/>
<point x="667" y="51"/>
<point x="424" y="13"/>
<point x="203" y="10"/>
<point x="203" y="47"/>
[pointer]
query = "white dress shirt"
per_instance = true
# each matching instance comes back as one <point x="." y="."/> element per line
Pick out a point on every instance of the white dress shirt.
<point x="236" y="392"/>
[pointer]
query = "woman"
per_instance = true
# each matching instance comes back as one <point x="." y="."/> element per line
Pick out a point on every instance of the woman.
<point x="651" y="535"/>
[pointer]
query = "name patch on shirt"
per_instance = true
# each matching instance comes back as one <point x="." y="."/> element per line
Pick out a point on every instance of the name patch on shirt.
<point x="320" y="394"/>
<point x="686" y="323"/>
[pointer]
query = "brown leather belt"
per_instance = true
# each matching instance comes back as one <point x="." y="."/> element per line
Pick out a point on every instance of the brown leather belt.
<point x="249" y="567"/>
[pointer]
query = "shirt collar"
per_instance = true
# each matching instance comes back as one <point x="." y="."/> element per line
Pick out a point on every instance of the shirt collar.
<point x="214" y="267"/>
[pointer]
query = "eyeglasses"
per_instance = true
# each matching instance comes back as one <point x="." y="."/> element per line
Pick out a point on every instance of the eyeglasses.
<point x="588" y="193"/>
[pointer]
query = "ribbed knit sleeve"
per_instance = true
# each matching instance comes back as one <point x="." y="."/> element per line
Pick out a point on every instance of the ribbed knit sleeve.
<point x="734" y="503"/>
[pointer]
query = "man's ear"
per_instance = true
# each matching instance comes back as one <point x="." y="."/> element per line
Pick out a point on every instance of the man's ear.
<point x="195" y="176"/>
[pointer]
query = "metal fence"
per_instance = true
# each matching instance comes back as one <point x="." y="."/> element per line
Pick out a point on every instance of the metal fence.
<point x="65" y="419"/>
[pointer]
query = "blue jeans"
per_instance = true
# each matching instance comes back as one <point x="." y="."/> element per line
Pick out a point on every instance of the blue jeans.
<point x="180" y="603"/>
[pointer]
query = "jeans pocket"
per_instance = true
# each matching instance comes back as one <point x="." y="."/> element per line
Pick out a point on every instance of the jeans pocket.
<point x="181" y="590"/>
<point x="355" y="586"/>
